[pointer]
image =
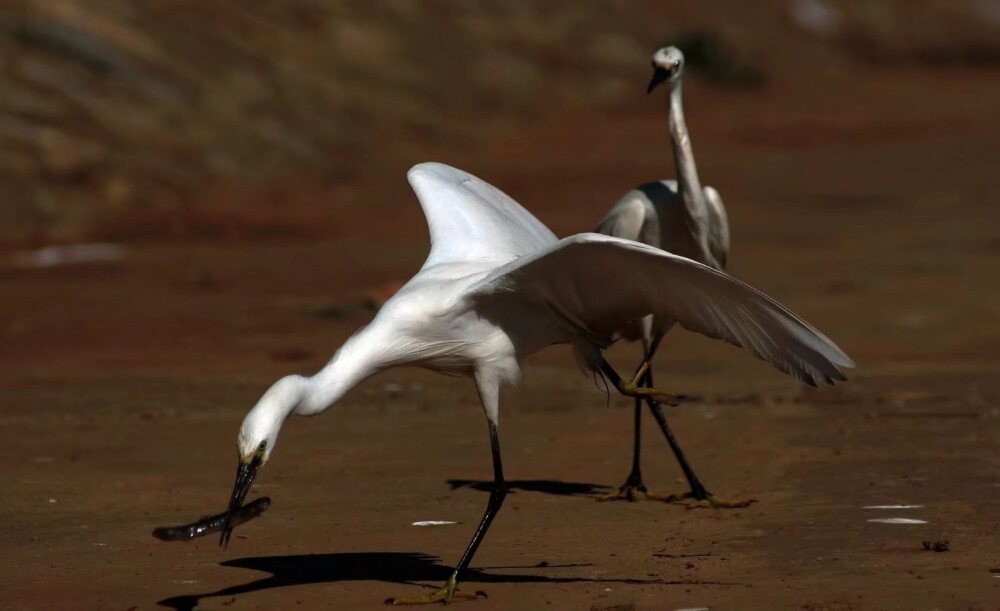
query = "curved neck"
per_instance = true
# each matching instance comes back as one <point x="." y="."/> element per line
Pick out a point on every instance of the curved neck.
<point x="361" y="356"/>
<point x="687" y="174"/>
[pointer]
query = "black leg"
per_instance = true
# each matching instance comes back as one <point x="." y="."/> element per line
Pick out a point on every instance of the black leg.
<point x="450" y="590"/>
<point x="701" y="496"/>
<point x="633" y="486"/>
<point x="610" y="373"/>
<point x="698" y="491"/>
<point x="635" y="477"/>
<point x="492" y="507"/>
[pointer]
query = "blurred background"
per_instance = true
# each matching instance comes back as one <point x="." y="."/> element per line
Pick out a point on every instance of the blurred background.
<point x="198" y="197"/>
<point x="130" y="121"/>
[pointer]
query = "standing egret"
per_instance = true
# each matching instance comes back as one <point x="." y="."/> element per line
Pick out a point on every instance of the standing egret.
<point x="681" y="217"/>
<point x="498" y="286"/>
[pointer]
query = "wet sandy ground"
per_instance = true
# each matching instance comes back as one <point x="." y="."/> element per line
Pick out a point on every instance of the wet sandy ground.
<point x="869" y="210"/>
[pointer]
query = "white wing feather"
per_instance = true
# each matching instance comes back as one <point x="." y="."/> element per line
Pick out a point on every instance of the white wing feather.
<point x="470" y="219"/>
<point x="597" y="284"/>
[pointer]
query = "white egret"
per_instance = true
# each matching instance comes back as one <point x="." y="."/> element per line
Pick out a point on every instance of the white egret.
<point x="681" y="217"/>
<point x="498" y="286"/>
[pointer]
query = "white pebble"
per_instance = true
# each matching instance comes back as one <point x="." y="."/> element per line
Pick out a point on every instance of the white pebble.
<point x="893" y="506"/>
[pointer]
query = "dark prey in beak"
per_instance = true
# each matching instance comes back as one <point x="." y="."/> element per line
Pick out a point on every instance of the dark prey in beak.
<point x="212" y="524"/>
<point x="244" y="479"/>
<point x="659" y="75"/>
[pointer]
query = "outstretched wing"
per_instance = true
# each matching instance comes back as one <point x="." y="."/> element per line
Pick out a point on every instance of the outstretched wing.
<point x="470" y="219"/>
<point x="597" y="284"/>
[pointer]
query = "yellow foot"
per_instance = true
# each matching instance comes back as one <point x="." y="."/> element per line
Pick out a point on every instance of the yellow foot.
<point x="446" y="595"/>
<point x="631" y="389"/>
<point x="710" y="501"/>
<point x="641" y="371"/>
<point x="628" y="492"/>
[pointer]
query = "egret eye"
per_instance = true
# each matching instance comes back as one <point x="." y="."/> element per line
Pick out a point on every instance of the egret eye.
<point x="262" y="445"/>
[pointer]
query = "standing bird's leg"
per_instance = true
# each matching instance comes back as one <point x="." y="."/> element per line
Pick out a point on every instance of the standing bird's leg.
<point x="633" y="489"/>
<point x="701" y="497"/>
<point x="450" y="592"/>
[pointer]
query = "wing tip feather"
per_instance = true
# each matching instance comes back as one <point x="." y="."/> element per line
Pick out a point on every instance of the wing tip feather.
<point x="435" y="168"/>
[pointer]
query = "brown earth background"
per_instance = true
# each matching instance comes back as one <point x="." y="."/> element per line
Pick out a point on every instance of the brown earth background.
<point x="244" y="166"/>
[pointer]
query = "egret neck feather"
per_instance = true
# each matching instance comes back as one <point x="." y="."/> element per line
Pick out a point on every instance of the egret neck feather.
<point x="688" y="183"/>
<point x="361" y="356"/>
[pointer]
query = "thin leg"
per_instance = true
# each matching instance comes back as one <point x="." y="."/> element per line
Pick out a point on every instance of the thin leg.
<point x="635" y="477"/>
<point x="633" y="489"/>
<point x="698" y="491"/>
<point x="449" y="592"/>
<point x="634" y="481"/>
<point x="497" y="495"/>
<point x="701" y="496"/>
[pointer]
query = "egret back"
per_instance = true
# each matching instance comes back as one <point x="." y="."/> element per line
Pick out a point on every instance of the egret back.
<point x="718" y="235"/>
<point x="654" y="213"/>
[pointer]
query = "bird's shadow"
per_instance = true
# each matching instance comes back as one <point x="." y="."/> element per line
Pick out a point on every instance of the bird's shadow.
<point x="391" y="567"/>
<point x="548" y="486"/>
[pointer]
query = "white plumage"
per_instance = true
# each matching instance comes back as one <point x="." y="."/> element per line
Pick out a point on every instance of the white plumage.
<point x="498" y="286"/>
<point x="470" y="219"/>
<point x="598" y="283"/>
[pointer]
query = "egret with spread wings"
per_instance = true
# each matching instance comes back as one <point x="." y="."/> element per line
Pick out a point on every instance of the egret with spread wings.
<point x="498" y="286"/>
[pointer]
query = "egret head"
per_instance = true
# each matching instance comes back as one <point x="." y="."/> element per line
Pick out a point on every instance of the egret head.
<point x="668" y="64"/>
<point x="257" y="438"/>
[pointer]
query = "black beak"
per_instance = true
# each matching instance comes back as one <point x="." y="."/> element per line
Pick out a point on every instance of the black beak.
<point x="244" y="479"/>
<point x="659" y="75"/>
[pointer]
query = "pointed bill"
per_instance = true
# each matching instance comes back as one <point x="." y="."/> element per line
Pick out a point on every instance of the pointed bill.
<point x="659" y="75"/>
<point x="245" y="473"/>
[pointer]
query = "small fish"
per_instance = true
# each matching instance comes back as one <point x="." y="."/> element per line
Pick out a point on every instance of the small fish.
<point x="212" y="524"/>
